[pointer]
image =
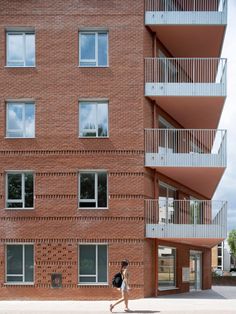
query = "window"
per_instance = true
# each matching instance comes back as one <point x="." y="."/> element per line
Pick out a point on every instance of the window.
<point x="93" y="189"/>
<point x="93" y="119"/>
<point x="21" y="49"/>
<point x="93" y="47"/>
<point x="19" y="263"/>
<point x="19" y="190"/>
<point x="92" y="264"/>
<point x="166" y="267"/>
<point x="20" y="120"/>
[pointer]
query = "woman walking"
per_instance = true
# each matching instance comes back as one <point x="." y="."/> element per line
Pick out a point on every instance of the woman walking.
<point x="124" y="287"/>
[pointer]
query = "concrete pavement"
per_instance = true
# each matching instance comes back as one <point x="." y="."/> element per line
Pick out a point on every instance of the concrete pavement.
<point x="218" y="300"/>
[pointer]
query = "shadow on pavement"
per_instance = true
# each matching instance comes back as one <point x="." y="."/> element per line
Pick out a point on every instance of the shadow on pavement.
<point x="140" y="311"/>
<point x="206" y="294"/>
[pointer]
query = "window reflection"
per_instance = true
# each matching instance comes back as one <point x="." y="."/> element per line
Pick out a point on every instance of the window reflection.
<point x="20" y="120"/>
<point x="20" y="190"/>
<point x="166" y="267"/>
<point x="93" y="119"/>
<point x="20" y="263"/>
<point x="93" y="263"/>
<point x="20" y="49"/>
<point x="93" y="190"/>
<point x="102" y="49"/>
<point x="93" y="49"/>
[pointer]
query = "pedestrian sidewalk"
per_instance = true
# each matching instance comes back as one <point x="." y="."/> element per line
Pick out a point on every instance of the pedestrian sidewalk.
<point x="219" y="300"/>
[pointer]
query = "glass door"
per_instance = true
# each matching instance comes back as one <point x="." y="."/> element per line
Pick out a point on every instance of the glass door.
<point x="167" y="196"/>
<point x="195" y="270"/>
<point x="167" y="137"/>
<point x="196" y="211"/>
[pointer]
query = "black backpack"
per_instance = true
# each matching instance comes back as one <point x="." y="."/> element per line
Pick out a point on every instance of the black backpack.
<point x="117" y="280"/>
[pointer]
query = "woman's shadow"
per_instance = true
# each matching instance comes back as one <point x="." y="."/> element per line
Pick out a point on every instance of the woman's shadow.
<point x="139" y="311"/>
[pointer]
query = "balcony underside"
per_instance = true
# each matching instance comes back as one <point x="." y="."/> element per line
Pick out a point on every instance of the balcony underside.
<point x="209" y="242"/>
<point x="192" y="112"/>
<point x="192" y="41"/>
<point x="201" y="180"/>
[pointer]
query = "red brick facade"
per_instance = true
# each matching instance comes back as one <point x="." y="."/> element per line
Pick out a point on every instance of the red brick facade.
<point x="56" y="226"/>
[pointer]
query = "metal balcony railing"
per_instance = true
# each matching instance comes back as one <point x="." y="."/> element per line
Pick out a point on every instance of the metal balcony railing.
<point x="185" y="70"/>
<point x="185" y="76"/>
<point x="186" y="5"/>
<point x="186" y="218"/>
<point x="185" y="147"/>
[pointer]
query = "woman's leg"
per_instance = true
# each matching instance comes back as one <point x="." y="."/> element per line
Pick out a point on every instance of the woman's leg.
<point x="126" y="299"/>
<point x="119" y="301"/>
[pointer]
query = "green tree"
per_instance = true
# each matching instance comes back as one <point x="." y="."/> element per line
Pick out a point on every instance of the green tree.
<point x="232" y="244"/>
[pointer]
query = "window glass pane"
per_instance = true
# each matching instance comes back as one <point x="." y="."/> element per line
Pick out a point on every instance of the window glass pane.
<point x="87" y="186"/>
<point x="87" y="279"/>
<point x="29" y="263"/>
<point x="102" y="263"/>
<point x="102" y="189"/>
<point x="15" y="119"/>
<point x="14" y="186"/>
<point x="88" y="119"/>
<point x="87" y="260"/>
<point x="29" y="190"/>
<point x="15" y="49"/>
<point x="87" y="204"/>
<point x="14" y="278"/>
<point x="166" y="267"/>
<point x="14" y="205"/>
<point x="87" y="49"/>
<point x="102" y="49"/>
<point x="14" y="259"/>
<point x="102" y="119"/>
<point x="30" y="49"/>
<point x="29" y="120"/>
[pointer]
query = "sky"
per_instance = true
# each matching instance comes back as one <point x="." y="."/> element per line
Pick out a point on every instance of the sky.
<point x="227" y="188"/>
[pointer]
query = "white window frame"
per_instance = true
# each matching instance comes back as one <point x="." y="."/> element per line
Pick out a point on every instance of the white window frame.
<point x="23" y="282"/>
<point x="23" y="33"/>
<point x="96" y="275"/>
<point x="96" y="49"/>
<point x="22" y="200"/>
<point x="94" y="130"/>
<point x="8" y="131"/>
<point x="95" y="190"/>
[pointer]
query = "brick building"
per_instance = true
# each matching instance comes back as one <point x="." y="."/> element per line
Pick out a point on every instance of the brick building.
<point x="109" y="147"/>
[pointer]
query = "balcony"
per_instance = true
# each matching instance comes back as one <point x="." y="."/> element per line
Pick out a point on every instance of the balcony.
<point x="188" y="27"/>
<point x="193" y="157"/>
<point x="195" y="222"/>
<point x="191" y="90"/>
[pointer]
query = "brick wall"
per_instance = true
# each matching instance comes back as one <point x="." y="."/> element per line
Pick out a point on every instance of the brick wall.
<point x="56" y="84"/>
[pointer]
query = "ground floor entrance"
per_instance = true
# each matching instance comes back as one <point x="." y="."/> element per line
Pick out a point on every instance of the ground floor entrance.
<point x="195" y="267"/>
<point x="181" y="268"/>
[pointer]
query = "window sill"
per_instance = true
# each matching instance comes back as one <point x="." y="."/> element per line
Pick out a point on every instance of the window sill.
<point x="93" y="284"/>
<point x="19" y="138"/>
<point x="19" y="208"/>
<point x="93" y="137"/>
<point x="91" y="208"/>
<point x="18" y="283"/>
<point x="95" y="66"/>
<point x="19" y="67"/>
